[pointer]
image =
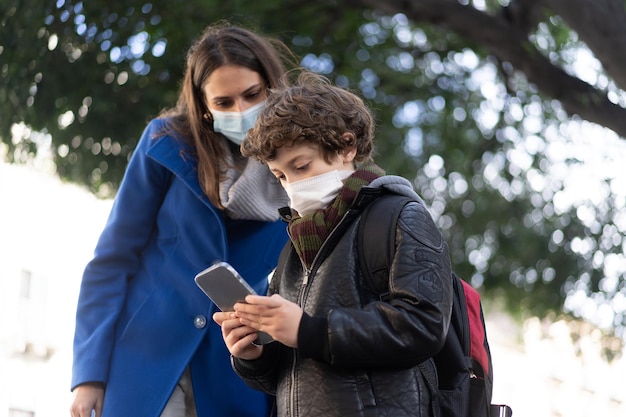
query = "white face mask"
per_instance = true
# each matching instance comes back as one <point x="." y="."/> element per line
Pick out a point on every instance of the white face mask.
<point x="233" y="124"/>
<point x="317" y="192"/>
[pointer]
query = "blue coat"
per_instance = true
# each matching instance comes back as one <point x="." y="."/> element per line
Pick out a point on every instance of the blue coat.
<point x="141" y="320"/>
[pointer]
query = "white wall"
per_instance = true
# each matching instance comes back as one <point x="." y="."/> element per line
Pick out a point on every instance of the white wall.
<point x="48" y="232"/>
<point x="539" y="372"/>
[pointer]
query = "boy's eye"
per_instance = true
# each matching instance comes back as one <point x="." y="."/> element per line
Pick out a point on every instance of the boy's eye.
<point x="302" y="167"/>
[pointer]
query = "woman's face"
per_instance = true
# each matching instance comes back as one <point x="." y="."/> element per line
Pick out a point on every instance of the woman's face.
<point x="233" y="88"/>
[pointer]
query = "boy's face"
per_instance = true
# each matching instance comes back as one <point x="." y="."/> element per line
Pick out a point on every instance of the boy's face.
<point x="303" y="161"/>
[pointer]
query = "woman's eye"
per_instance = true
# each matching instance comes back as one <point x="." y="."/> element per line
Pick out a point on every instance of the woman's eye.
<point x="302" y="168"/>
<point x="256" y="94"/>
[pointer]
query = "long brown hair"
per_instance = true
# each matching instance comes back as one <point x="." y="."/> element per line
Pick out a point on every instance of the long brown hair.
<point x="219" y="45"/>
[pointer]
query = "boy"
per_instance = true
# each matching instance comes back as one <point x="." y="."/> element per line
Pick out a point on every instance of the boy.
<point x="339" y="349"/>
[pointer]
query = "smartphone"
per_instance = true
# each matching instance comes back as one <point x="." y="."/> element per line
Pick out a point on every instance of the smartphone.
<point x="225" y="287"/>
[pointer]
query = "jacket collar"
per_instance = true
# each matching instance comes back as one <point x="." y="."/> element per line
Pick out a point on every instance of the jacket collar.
<point x="175" y="156"/>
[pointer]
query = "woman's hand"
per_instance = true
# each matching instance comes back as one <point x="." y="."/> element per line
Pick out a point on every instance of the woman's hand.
<point x="238" y="337"/>
<point x="274" y="315"/>
<point x="87" y="397"/>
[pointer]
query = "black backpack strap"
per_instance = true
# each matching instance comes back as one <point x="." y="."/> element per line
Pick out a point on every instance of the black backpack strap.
<point x="500" y="410"/>
<point x="428" y="370"/>
<point x="376" y="243"/>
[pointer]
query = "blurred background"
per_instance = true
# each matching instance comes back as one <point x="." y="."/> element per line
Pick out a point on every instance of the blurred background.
<point x="508" y="116"/>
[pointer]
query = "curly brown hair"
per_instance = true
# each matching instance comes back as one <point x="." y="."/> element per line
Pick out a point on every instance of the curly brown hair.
<point x="315" y="112"/>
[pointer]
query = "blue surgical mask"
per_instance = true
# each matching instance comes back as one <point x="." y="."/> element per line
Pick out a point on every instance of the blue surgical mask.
<point x="233" y="124"/>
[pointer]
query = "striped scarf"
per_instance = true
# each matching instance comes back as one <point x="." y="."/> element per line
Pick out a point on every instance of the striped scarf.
<point x="308" y="233"/>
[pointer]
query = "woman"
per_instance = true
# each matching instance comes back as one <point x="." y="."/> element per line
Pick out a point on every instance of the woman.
<point x="143" y="345"/>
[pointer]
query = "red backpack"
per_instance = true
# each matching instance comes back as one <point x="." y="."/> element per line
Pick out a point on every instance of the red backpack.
<point x="464" y="374"/>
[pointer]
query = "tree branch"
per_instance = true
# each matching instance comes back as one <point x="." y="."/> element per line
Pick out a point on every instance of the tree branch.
<point x="508" y="41"/>
<point x="600" y="25"/>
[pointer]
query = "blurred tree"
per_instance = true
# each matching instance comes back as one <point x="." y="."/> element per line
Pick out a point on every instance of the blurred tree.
<point x="475" y="102"/>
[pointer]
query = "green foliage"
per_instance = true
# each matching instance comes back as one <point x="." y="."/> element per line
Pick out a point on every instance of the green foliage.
<point x="91" y="74"/>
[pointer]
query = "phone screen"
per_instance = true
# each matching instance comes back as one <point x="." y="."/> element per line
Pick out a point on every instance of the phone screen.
<point x="225" y="287"/>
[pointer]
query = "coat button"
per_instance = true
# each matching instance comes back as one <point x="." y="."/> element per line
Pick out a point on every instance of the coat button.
<point x="199" y="321"/>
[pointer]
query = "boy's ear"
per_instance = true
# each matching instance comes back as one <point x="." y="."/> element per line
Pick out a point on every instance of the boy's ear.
<point x="349" y="153"/>
<point x="349" y="138"/>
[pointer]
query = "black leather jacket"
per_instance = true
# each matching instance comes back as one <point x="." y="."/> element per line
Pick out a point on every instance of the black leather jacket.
<point x="358" y="355"/>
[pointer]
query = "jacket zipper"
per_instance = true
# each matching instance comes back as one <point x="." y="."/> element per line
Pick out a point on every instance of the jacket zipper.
<point x="292" y="373"/>
<point x="348" y="217"/>
<point x="305" y="281"/>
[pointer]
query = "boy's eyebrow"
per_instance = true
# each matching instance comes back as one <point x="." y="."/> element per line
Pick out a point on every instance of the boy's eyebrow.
<point x="290" y="162"/>
<point x="295" y="159"/>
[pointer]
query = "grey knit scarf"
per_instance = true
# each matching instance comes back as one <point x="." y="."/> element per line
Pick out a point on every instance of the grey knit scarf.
<point x="253" y="194"/>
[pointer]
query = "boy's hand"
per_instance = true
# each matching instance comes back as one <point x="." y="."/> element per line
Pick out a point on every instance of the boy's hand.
<point x="238" y="337"/>
<point x="274" y="315"/>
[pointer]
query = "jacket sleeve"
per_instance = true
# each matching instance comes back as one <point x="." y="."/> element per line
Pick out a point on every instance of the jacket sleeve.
<point x="261" y="374"/>
<point x="412" y="324"/>
<point x="116" y="260"/>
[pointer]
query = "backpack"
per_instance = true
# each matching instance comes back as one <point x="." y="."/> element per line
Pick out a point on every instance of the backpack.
<point x="464" y="374"/>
